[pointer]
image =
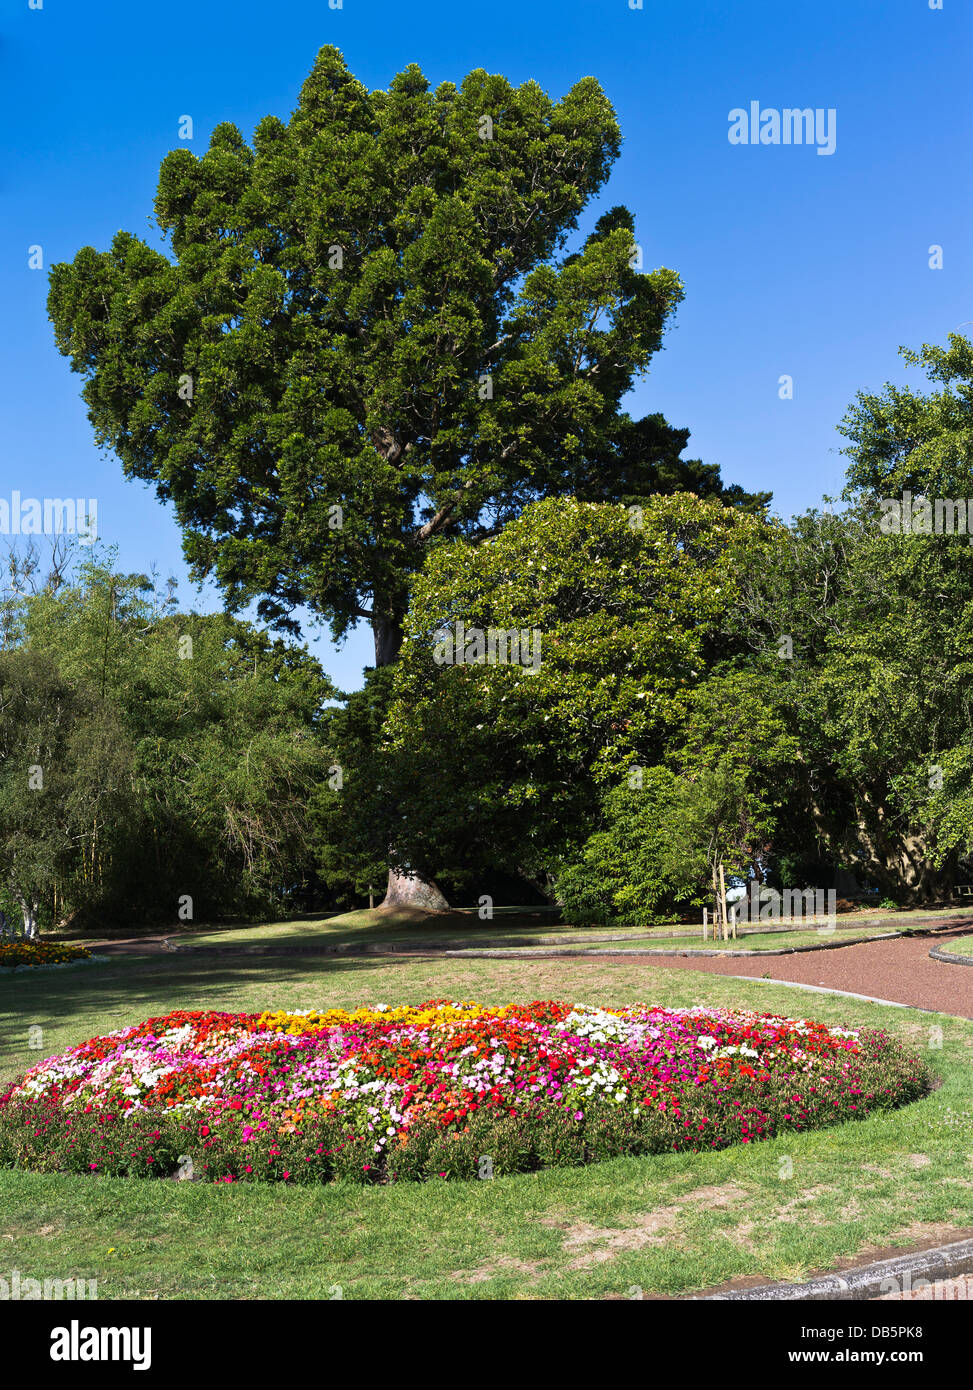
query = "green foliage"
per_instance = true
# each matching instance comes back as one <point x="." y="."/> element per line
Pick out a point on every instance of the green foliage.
<point x="879" y="623"/>
<point x="64" y="772"/>
<point x="352" y="819"/>
<point x="369" y="309"/>
<point x="626" y="872"/>
<point x="503" y="763"/>
<point x="665" y="830"/>
<point x="903" y="440"/>
<point x="910" y="659"/>
<point x="215" y="730"/>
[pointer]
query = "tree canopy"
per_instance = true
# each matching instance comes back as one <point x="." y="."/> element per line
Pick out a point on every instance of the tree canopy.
<point x="368" y="334"/>
<point x="502" y="759"/>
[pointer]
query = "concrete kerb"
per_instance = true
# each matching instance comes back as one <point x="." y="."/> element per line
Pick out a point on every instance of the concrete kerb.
<point x="435" y="948"/>
<point x="870" y="1281"/>
<point x="949" y="957"/>
<point x="845" y="994"/>
<point x="555" y="952"/>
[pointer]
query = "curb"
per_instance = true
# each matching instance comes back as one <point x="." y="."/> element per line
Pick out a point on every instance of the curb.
<point x="950" y="957"/>
<point x="847" y="994"/>
<point x="869" y="1281"/>
<point x="554" y="953"/>
<point x="428" y="948"/>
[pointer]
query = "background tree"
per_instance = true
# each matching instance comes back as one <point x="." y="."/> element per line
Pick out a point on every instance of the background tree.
<point x="665" y="832"/>
<point x="367" y="336"/>
<point x="64" y="771"/>
<point x="502" y="765"/>
<point x="878" y="618"/>
<point x="221" y="731"/>
<point x="903" y="440"/>
<point x="350" y="811"/>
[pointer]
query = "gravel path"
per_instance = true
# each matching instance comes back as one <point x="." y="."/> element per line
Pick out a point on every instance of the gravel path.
<point x="899" y="970"/>
<point x="126" y="946"/>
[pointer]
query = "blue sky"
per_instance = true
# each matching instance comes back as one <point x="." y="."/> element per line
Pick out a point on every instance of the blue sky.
<point x="794" y="263"/>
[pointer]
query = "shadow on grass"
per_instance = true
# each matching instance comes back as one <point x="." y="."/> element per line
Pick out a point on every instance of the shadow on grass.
<point x="185" y="983"/>
<point x="126" y="990"/>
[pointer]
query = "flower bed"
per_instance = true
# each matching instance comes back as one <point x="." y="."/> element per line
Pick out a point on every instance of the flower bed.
<point x="18" y="954"/>
<point x="439" y="1090"/>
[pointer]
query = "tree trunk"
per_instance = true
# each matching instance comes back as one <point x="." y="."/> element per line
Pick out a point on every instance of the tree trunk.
<point x="898" y="859"/>
<point x="387" y="632"/>
<point x="30" y="910"/>
<point x="723" y="912"/>
<point x="402" y="890"/>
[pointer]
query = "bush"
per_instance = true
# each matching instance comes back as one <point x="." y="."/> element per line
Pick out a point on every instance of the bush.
<point x="582" y="891"/>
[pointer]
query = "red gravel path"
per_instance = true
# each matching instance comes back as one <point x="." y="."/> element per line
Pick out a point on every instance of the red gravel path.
<point x="898" y="970"/>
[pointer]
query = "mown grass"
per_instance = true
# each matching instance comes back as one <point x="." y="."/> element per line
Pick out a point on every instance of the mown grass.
<point x="963" y="946"/>
<point x="353" y="928"/>
<point x="746" y="941"/>
<point x="665" y="1225"/>
<point x="509" y="926"/>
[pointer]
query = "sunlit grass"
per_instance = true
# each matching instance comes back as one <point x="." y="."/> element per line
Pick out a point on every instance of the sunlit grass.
<point x="666" y="1224"/>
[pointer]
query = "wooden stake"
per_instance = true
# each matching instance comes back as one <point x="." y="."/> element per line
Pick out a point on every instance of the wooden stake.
<point x="726" y="925"/>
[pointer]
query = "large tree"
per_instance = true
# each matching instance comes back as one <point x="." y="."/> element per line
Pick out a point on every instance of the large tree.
<point x="368" y="335"/>
<point x="876" y="606"/>
<point x="502" y="756"/>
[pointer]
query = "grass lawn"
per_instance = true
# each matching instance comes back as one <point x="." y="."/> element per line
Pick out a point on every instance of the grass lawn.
<point x="666" y="1225"/>
<point x="510" y="926"/>
<point x="962" y="947"/>
<point x="746" y="941"/>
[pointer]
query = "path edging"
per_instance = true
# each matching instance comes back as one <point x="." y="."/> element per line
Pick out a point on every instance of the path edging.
<point x="554" y="952"/>
<point x="868" y="1281"/>
<point x="429" y="948"/>
<point x="950" y="957"/>
<point x="847" y="994"/>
